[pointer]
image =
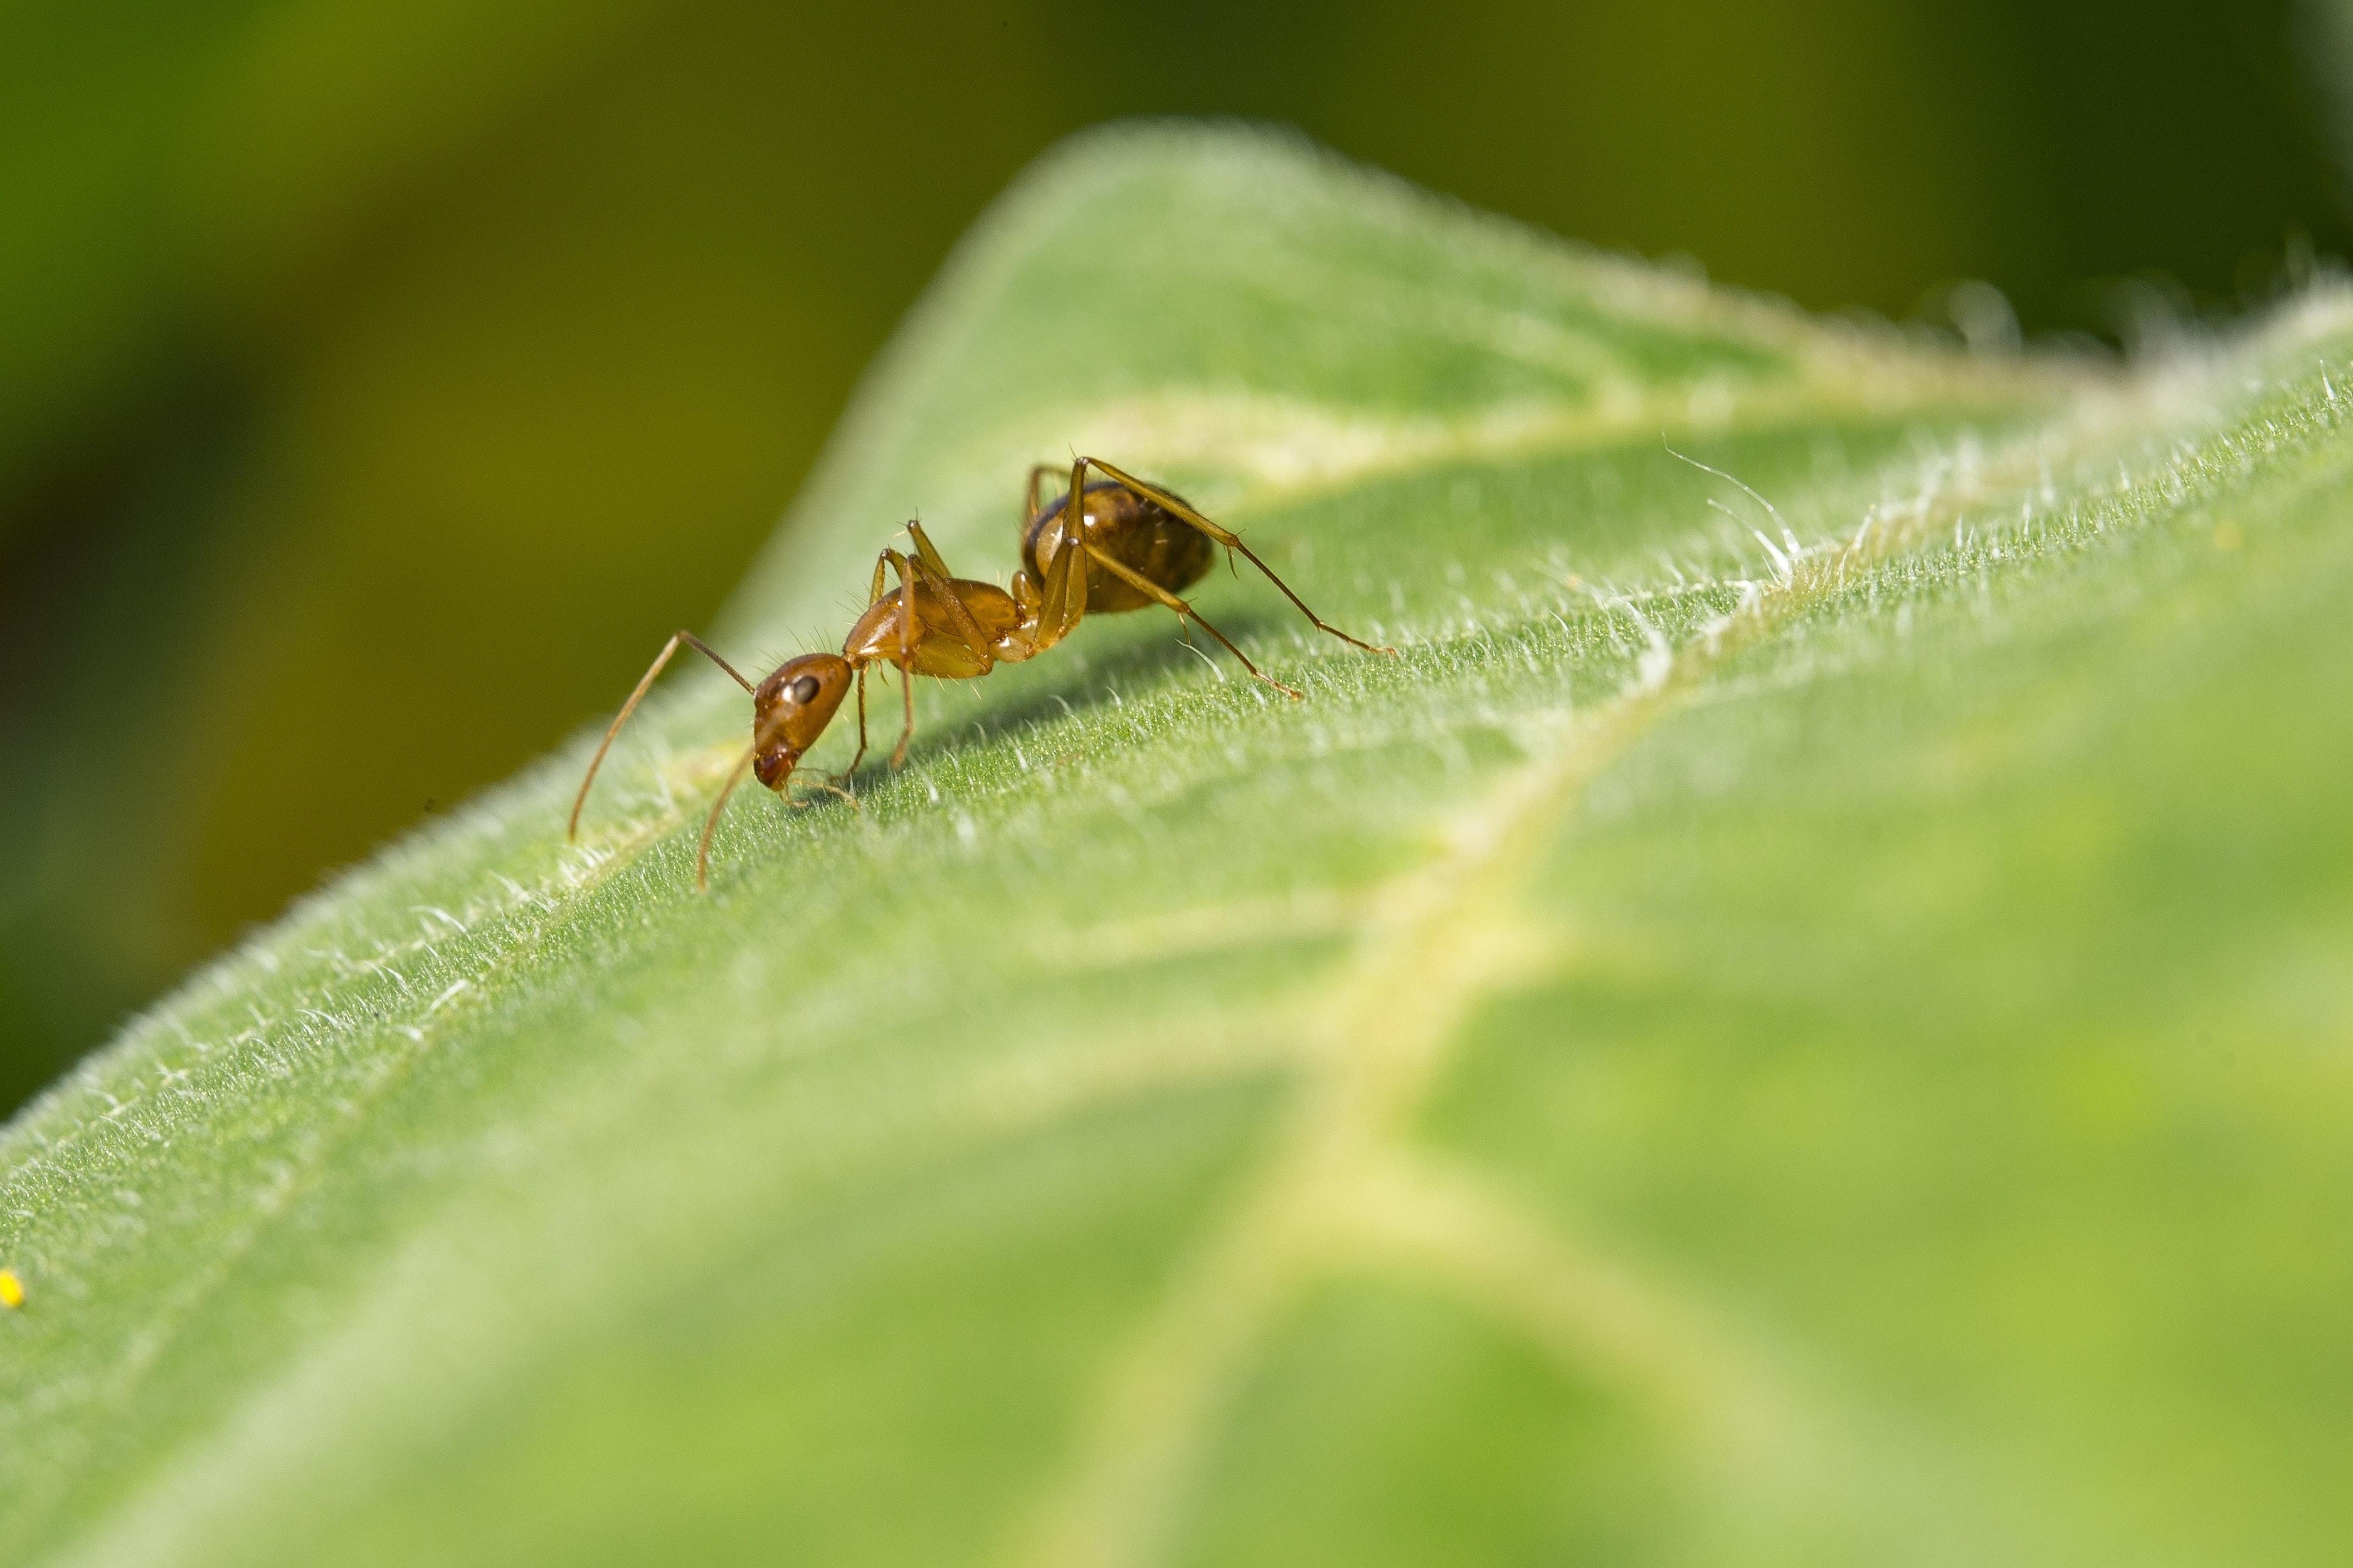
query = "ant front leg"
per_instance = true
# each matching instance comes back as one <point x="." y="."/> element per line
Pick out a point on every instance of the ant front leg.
<point x="823" y="780"/>
<point x="873" y="596"/>
<point x="851" y="774"/>
<point x="1179" y="507"/>
<point x="929" y="566"/>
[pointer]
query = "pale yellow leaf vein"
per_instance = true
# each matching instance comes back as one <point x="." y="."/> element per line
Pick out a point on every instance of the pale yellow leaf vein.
<point x="1342" y="1188"/>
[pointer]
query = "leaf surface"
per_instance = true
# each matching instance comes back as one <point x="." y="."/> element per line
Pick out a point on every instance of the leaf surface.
<point x="1802" y="1018"/>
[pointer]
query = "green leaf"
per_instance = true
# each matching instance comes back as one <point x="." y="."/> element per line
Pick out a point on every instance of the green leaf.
<point x="1811" y="1034"/>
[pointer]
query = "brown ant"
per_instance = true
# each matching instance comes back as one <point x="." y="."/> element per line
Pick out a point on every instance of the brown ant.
<point x="1140" y="544"/>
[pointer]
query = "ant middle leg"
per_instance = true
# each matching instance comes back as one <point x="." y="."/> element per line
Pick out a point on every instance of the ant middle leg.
<point x="927" y="552"/>
<point x="1185" y="612"/>
<point x="907" y="660"/>
<point x="933" y="570"/>
<point x="678" y="641"/>
<point x="1179" y="507"/>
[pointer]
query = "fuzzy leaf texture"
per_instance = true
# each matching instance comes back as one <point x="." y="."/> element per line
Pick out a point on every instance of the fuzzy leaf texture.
<point x="1810" y="1034"/>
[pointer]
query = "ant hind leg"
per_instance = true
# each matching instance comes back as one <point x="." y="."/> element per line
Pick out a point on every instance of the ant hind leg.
<point x="1179" y="507"/>
<point x="1029" y="497"/>
<point x="1185" y="613"/>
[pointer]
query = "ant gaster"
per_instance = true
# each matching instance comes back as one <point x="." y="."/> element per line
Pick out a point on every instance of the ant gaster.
<point x="1136" y="545"/>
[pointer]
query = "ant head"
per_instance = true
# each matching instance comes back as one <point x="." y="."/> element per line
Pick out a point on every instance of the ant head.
<point x="790" y="710"/>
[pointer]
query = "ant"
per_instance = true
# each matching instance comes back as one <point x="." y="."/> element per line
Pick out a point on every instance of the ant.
<point x="1139" y="544"/>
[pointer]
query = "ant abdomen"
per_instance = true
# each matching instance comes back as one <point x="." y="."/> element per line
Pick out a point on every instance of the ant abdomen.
<point x="1134" y="530"/>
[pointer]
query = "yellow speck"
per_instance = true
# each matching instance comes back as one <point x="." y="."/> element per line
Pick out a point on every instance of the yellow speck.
<point x="12" y="1289"/>
<point x="2228" y="537"/>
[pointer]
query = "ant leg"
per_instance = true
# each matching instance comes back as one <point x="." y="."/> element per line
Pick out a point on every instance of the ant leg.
<point x="1177" y="506"/>
<point x="935" y="577"/>
<point x="1030" y="503"/>
<point x="1185" y="612"/>
<point x="906" y="652"/>
<point x="711" y="823"/>
<point x="873" y="597"/>
<point x="818" y="779"/>
<point x="1025" y="640"/>
<point x="932" y="568"/>
<point x="852" y="771"/>
<point x="825" y="783"/>
<point x="874" y="585"/>
<point x="927" y="552"/>
<point x="677" y="639"/>
<point x="1064" y="602"/>
<point x="1054" y="607"/>
<point x="1049" y="612"/>
<point x="906" y="732"/>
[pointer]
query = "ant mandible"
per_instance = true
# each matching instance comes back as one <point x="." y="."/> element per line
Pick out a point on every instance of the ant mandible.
<point x="1139" y="544"/>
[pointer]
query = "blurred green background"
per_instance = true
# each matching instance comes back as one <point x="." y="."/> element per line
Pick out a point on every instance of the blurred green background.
<point x="379" y="385"/>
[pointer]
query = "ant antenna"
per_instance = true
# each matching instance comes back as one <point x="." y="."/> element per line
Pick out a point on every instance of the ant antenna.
<point x="677" y="641"/>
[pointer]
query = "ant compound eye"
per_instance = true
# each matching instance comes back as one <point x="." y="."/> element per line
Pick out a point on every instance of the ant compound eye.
<point x="805" y="689"/>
